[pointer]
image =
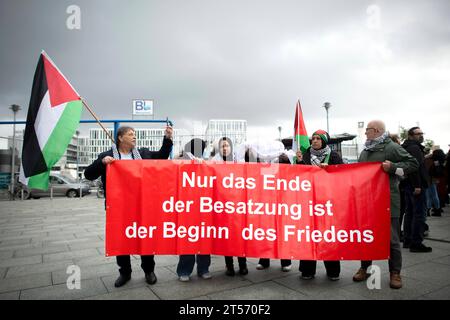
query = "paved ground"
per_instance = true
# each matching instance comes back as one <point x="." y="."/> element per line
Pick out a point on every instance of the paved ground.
<point x="39" y="239"/>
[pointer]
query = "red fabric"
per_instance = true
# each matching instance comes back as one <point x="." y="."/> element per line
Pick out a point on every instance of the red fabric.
<point x="359" y="194"/>
<point x="60" y="90"/>
<point x="299" y="124"/>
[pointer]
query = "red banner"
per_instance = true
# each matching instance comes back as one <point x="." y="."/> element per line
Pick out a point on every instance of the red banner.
<point x="248" y="210"/>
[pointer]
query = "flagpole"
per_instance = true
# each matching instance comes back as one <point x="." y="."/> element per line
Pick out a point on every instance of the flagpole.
<point x="95" y="117"/>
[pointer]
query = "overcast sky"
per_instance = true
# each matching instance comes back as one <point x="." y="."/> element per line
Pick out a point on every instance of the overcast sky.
<point x="240" y="59"/>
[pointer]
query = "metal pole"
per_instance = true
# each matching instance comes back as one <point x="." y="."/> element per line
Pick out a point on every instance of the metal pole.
<point x="15" y="108"/>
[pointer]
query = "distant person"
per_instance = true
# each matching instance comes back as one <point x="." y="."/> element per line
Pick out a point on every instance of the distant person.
<point x="439" y="177"/>
<point x="396" y="161"/>
<point x="125" y="149"/>
<point x="415" y="195"/>
<point x="193" y="150"/>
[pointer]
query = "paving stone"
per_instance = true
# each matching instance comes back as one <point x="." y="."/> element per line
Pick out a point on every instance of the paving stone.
<point x="25" y="282"/>
<point x="88" y="288"/>
<point x="262" y="291"/>
<point x="197" y="287"/>
<point x="10" y="295"/>
<point x="441" y="294"/>
<point x="69" y="255"/>
<point x="142" y="293"/>
<point x="40" y="250"/>
<point x="14" y="272"/>
<point x="21" y="261"/>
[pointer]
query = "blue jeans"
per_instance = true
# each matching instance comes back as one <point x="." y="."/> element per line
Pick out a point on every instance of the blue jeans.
<point x="187" y="261"/>
<point x="432" y="197"/>
<point x="414" y="224"/>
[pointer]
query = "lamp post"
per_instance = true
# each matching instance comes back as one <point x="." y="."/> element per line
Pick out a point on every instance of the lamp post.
<point x="15" y="108"/>
<point x="78" y="143"/>
<point x="327" y="106"/>
<point x="279" y="130"/>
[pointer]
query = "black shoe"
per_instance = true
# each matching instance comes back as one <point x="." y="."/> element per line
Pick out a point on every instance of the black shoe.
<point x="420" y="248"/>
<point x="406" y="245"/>
<point x="150" y="278"/>
<point x="230" y="271"/>
<point x="243" y="271"/>
<point x="121" y="280"/>
<point x="436" y="214"/>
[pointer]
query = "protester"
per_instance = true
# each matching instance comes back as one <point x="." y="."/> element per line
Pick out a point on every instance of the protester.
<point x="396" y="162"/>
<point x="320" y="155"/>
<point x="415" y="195"/>
<point x="193" y="150"/>
<point x="125" y="149"/>
<point x="432" y="198"/>
<point x="225" y="153"/>
<point x="438" y="175"/>
<point x="264" y="263"/>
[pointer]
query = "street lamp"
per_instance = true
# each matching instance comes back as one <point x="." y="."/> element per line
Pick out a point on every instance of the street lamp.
<point x="78" y="143"/>
<point x="279" y="130"/>
<point x="327" y="106"/>
<point x="15" y="108"/>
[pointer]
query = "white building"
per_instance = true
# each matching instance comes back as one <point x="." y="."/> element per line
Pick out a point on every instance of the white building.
<point x="236" y="130"/>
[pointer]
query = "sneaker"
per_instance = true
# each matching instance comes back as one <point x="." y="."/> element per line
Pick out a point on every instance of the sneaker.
<point x="184" y="278"/>
<point x="396" y="280"/>
<point x="333" y="278"/>
<point x="286" y="268"/>
<point x="420" y="248"/>
<point x="361" y="275"/>
<point x="261" y="267"/>
<point x="306" y="277"/>
<point x="206" y="276"/>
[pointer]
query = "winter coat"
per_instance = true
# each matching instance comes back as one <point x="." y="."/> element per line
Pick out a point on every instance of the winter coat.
<point x="400" y="158"/>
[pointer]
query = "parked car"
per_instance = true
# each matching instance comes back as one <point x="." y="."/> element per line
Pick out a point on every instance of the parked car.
<point x="62" y="186"/>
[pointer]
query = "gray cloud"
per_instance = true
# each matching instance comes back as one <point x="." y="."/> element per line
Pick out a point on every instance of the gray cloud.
<point x="235" y="59"/>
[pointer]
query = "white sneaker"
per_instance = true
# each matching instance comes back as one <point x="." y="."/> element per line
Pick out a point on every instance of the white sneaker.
<point x="184" y="278"/>
<point x="286" y="268"/>
<point x="260" y="267"/>
<point x="206" y="276"/>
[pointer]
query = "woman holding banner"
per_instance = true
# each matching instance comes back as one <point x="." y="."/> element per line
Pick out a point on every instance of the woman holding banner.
<point x="225" y="153"/>
<point x="193" y="150"/>
<point x="320" y="154"/>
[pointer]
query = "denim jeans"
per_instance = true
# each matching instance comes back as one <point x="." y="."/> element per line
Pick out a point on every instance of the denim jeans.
<point x="414" y="224"/>
<point x="432" y="197"/>
<point x="187" y="261"/>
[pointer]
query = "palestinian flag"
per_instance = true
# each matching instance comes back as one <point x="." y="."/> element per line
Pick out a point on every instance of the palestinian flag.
<point x="300" y="139"/>
<point x="53" y="116"/>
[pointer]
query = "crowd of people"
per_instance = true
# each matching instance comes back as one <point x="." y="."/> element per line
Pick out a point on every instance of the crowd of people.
<point x="418" y="188"/>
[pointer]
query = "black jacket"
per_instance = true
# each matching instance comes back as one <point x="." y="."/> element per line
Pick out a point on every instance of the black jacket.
<point x="97" y="168"/>
<point x="335" y="158"/>
<point x="418" y="179"/>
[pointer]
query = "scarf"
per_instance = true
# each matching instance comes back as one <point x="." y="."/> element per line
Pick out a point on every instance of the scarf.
<point x="370" y="144"/>
<point x="116" y="155"/>
<point x="317" y="156"/>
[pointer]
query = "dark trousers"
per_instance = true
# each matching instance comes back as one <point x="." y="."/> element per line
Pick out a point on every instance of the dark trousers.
<point x="414" y="224"/>
<point x="266" y="262"/>
<point x="308" y="267"/>
<point x="124" y="262"/>
<point x="395" y="257"/>
<point x="241" y="260"/>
